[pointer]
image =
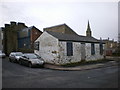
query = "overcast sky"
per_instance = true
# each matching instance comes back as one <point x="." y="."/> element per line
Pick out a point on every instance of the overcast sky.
<point x="103" y="16"/>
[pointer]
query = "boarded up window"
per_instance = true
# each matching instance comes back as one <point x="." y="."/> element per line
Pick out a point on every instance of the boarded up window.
<point x="92" y="48"/>
<point x="101" y="48"/>
<point x="69" y="49"/>
<point x="36" y="45"/>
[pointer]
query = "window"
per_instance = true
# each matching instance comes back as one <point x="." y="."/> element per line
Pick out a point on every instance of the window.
<point x="92" y="48"/>
<point x="101" y="48"/>
<point x="69" y="49"/>
<point x="2" y="36"/>
<point x="36" y="45"/>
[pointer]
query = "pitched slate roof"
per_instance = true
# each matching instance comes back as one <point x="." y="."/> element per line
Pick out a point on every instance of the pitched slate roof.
<point x="72" y="37"/>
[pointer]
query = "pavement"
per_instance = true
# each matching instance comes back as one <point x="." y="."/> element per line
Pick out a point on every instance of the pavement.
<point x="114" y="62"/>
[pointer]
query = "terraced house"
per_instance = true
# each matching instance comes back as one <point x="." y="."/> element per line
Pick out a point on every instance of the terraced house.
<point x="62" y="46"/>
<point x="19" y="37"/>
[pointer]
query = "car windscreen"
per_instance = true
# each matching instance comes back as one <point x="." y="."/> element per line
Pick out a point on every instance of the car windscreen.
<point x="31" y="56"/>
<point x="18" y="54"/>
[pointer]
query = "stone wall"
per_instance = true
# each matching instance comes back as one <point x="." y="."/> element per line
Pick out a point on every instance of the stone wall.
<point x="48" y="48"/>
<point x="10" y="39"/>
<point x="63" y="58"/>
<point x="63" y="28"/>
<point x="55" y="52"/>
<point x="77" y="52"/>
<point x="96" y="56"/>
<point x="59" y="28"/>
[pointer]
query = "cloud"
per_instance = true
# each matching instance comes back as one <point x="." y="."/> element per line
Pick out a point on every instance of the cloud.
<point x="58" y="1"/>
<point x="103" y="16"/>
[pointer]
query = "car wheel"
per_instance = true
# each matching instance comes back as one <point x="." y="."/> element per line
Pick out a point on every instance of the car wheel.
<point x="20" y="62"/>
<point x="30" y="64"/>
<point x="16" y="61"/>
<point x="10" y="60"/>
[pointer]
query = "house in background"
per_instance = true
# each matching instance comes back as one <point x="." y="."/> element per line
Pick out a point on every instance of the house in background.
<point x="62" y="28"/>
<point x="26" y="38"/>
<point x="110" y="46"/>
<point x="63" y="48"/>
<point x="10" y="38"/>
<point x="15" y="34"/>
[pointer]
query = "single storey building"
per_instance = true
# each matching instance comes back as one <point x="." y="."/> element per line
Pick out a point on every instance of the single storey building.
<point x="60" y="48"/>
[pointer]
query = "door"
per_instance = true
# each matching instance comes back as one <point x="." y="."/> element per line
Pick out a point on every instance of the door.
<point x="83" y="54"/>
<point x="24" y="60"/>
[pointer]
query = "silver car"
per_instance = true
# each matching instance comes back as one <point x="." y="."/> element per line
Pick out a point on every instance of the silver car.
<point x="31" y="59"/>
<point x="2" y="55"/>
<point x="15" y="56"/>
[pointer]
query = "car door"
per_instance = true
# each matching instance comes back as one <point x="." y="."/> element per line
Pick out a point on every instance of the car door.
<point x="12" y="56"/>
<point x="25" y="60"/>
<point x="22" y="59"/>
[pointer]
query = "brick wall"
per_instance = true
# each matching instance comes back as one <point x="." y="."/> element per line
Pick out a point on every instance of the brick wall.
<point x="35" y="33"/>
<point x="63" y="28"/>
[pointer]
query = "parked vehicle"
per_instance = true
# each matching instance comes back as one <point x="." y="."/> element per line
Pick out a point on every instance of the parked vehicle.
<point x="15" y="56"/>
<point x="31" y="59"/>
<point x="2" y="55"/>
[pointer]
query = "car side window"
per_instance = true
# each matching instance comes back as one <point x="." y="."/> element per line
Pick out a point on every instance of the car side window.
<point x="24" y="56"/>
<point x="12" y="54"/>
<point x="38" y="56"/>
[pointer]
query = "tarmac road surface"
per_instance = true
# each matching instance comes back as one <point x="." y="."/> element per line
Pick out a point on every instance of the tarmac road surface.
<point x="18" y="76"/>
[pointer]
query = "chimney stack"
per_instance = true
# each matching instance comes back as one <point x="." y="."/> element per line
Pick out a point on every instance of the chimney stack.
<point x="2" y="28"/>
<point x="7" y="25"/>
<point x="13" y="23"/>
<point x="21" y="24"/>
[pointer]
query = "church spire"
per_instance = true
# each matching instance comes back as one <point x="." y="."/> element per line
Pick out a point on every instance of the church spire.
<point x="88" y="32"/>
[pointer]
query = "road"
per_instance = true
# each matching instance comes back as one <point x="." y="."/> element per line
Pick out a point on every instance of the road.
<point x="18" y="76"/>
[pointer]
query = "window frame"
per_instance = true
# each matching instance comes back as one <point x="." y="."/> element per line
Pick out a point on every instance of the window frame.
<point x="69" y="47"/>
<point x="101" y="48"/>
<point x="92" y="48"/>
<point x="36" y="45"/>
